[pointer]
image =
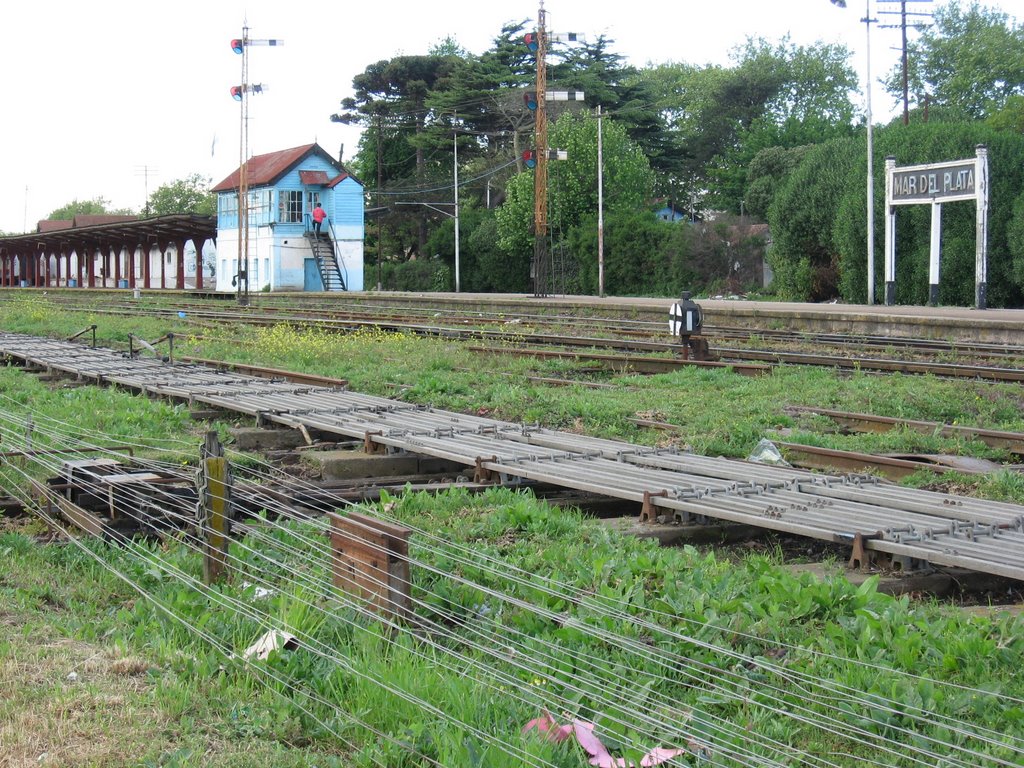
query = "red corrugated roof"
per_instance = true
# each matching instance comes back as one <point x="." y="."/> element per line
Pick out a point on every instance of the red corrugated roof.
<point x="51" y="225"/>
<point x="313" y="177"/>
<point x="91" y="219"/>
<point x="338" y="179"/>
<point x="83" y="220"/>
<point x="266" y="169"/>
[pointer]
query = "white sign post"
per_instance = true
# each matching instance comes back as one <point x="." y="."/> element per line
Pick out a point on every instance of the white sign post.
<point x="936" y="184"/>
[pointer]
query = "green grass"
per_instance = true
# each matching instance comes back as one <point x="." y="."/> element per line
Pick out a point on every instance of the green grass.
<point x="151" y="691"/>
<point x="185" y="694"/>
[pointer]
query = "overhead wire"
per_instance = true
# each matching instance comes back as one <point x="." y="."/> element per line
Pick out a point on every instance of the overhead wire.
<point x="817" y="652"/>
<point x="464" y="659"/>
<point x="309" y="643"/>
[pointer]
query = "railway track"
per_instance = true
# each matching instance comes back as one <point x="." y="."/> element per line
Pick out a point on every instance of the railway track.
<point x="622" y="337"/>
<point x="905" y="525"/>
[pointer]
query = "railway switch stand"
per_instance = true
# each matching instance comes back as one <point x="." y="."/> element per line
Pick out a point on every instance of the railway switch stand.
<point x="685" y="320"/>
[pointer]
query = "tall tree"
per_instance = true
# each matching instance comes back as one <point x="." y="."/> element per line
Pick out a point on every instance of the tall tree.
<point x="98" y="205"/>
<point x="971" y="59"/>
<point x="189" y="195"/>
<point x="773" y="94"/>
<point x="606" y="80"/>
<point x="391" y="96"/>
<point x="486" y="93"/>
<point x="573" y="183"/>
<point x="811" y="105"/>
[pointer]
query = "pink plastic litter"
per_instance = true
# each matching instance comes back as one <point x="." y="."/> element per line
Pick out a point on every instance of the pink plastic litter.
<point x="585" y="737"/>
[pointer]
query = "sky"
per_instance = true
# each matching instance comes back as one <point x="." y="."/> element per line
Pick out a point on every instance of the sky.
<point x="112" y="98"/>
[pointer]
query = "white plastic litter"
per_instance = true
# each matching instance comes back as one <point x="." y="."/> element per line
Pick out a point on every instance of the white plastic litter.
<point x="766" y="452"/>
<point x="274" y="640"/>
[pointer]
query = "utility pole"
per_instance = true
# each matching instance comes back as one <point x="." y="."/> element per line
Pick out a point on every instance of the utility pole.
<point x="540" y="179"/>
<point x="455" y="133"/>
<point x="868" y="21"/>
<point x="380" y="182"/>
<point x="903" y="55"/>
<point x="903" y="61"/>
<point x="600" y="207"/>
<point x="242" y="273"/>
<point x="145" y="171"/>
<point x="538" y="157"/>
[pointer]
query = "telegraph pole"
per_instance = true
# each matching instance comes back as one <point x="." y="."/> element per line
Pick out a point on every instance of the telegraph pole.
<point x="902" y="25"/>
<point x="455" y="173"/>
<point x="540" y="179"/>
<point x="537" y="158"/>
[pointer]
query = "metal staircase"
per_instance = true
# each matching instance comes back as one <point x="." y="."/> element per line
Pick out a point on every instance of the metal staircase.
<point x="326" y="262"/>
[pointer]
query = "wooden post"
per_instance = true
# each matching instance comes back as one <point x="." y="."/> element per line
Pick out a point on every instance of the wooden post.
<point x="179" y="268"/>
<point x="214" y="509"/>
<point x="370" y="562"/>
<point x="199" y="260"/>
<point x="540" y="172"/>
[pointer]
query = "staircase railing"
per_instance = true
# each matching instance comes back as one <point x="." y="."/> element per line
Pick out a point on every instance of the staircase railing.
<point x="339" y="262"/>
<point x="326" y="259"/>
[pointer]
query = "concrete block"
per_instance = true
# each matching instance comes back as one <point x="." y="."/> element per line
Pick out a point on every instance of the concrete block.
<point x="350" y="465"/>
<point x="255" y="439"/>
<point x="677" y="535"/>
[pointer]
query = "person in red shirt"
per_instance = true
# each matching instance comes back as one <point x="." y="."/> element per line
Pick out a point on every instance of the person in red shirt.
<point x="319" y="214"/>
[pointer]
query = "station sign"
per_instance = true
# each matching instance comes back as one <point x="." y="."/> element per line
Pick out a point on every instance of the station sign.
<point x="935" y="183"/>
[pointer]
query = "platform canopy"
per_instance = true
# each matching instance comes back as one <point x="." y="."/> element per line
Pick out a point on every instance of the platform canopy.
<point x="156" y="230"/>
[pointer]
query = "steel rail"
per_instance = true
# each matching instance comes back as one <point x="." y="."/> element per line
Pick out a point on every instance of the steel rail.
<point x="406" y="322"/>
<point x="871" y="423"/>
<point x="394" y="309"/>
<point x="935" y="528"/>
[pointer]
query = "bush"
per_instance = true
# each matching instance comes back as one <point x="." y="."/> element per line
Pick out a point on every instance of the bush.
<point x="802" y="216"/>
<point x="417" y="275"/>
